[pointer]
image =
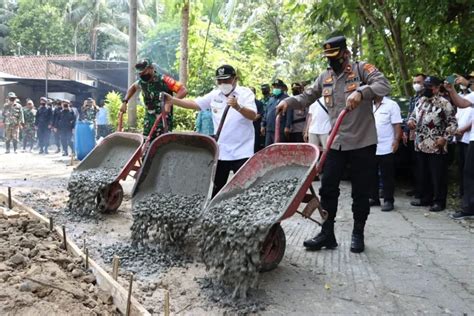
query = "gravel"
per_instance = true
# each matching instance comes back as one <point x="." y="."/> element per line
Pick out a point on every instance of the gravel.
<point x="233" y="231"/>
<point x="85" y="186"/>
<point x="164" y="219"/>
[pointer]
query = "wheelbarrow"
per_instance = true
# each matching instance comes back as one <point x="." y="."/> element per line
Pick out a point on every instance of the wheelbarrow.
<point x="118" y="150"/>
<point x="282" y="161"/>
<point x="178" y="163"/>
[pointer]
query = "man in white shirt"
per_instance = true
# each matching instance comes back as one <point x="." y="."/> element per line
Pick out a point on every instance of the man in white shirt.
<point x="389" y="133"/>
<point x="236" y="139"/>
<point x="318" y="124"/>
<point x="463" y="135"/>
<point x="468" y="179"/>
<point x="102" y="120"/>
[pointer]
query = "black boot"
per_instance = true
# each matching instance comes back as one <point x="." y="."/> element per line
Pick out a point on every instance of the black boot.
<point x="325" y="238"/>
<point x="357" y="241"/>
<point x="7" y="147"/>
<point x="14" y="146"/>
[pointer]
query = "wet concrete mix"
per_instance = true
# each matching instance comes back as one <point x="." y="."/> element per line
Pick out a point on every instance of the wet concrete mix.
<point x="84" y="186"/>
<point x="232" y="232"/>
<point x="164" y="219"/>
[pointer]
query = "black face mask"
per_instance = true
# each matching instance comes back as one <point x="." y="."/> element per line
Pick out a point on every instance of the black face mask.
<point x="336" y="64"/>
<point x="146" y="77"/>
<point x="427" y="92"/>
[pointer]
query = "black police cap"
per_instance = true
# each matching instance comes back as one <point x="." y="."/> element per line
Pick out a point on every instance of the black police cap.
<point x="432" y="81"/>
<point x="278" y="83"/>
<point x="334" y="45"/>
<point x="265" y="86"/>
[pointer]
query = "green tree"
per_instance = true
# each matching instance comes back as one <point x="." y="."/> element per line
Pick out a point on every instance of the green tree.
<point x="39" y="27"/>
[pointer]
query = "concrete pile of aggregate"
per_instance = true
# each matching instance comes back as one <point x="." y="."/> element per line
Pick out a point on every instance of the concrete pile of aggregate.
<point x="143" y="260"/>
<point x="164" y="219"/>
<point x="232" y="232"/>
<point x="85" y="186"/>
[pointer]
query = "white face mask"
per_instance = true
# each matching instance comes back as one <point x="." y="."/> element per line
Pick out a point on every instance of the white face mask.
<point x="417" y="87"/>
<point x="462" y="87"/>
<point x="226" y="88"/>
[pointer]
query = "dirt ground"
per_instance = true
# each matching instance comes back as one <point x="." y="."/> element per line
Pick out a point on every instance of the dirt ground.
<point x="415" y="262"/>
<point x="40" y="278"/>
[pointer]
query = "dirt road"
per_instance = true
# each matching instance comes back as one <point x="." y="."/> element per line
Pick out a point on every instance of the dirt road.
<point x="415" y="262"/>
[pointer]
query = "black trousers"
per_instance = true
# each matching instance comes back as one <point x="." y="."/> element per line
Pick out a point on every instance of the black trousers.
<point x="468" y="197"/>
<point x="386" y="165"/>
<point x="43" y="138"/>
<point x="224" y="167"/>
<point x="66" y="140"/>
<point x="362" y="163"/>
<point x="296" y="137"/>
<point x="432" y="175"/>
<point x="462" y="152"/>
<point x="57" y="139"/>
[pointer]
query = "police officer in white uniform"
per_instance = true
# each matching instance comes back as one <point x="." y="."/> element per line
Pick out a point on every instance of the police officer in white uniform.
<point x="237" y="137"/>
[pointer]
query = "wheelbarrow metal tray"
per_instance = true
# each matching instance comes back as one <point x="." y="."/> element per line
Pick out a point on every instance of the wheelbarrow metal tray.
<point x="276" y="162"/>
<point x="178" y="163"/>
<point x="118" y="150"/>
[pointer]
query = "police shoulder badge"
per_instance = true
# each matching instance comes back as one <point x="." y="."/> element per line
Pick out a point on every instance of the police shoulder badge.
<point x="369" y="68"/>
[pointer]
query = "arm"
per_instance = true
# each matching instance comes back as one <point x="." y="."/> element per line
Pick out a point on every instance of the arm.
<point x="184" y="103"/>
<point x="306" y="127"/>
<point x="397" y="129"/>
<point x="246" y="109"/>
<point x="457" y="100"/>
<point x="305" y="99"/>
<point x="376" y="83"/>
<point x="130" y="92"/>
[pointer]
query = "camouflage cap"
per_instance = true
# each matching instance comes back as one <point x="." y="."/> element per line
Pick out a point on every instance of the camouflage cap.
<point x="12" y="95"/>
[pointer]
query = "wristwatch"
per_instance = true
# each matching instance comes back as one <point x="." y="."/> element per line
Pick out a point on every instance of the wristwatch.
<point x="124" y="100"/>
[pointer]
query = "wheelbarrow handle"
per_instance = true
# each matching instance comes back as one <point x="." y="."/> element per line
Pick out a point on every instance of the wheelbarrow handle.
<point x="120" y="121"/>
<point x="331" y="138"/>
<point x="277" y="128"/>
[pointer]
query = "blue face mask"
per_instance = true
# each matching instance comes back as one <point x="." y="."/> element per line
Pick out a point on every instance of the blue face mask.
<point x="276" y="91"/>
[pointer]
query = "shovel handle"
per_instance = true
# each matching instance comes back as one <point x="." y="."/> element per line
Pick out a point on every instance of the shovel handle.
<point x="277" y="128"/>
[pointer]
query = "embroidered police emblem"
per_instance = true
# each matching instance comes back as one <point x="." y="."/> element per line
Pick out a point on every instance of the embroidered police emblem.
<point x="327" y="46"/>
<point x="220" y="71"/>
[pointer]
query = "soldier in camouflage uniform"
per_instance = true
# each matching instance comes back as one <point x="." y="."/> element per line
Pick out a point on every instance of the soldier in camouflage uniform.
<point x="152" y="83"/>
<point x="29" y="130"/>
<point x="89" y="111"/>
<point x="13" y="119"/>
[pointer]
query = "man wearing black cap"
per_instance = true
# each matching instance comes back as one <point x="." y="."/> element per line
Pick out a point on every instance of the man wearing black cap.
<point x="350" y="85"/>
<point x="43" y="123"/>
<point x="268" y="121"/>
<point x="237" y="138"/>
<point x="152" y="83"/>
<point x="296" y="119"/>
<point x="434" y="121"/>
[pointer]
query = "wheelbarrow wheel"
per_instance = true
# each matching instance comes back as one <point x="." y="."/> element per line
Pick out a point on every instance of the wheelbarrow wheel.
<point x="273" y="248"/>
<point x="112" y="198"/>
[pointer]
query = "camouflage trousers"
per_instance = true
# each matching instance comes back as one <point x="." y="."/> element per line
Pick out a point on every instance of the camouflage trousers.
<point x="28" y="137"/>
<point x="12" y="132"/>
<point x="148" y="122"/>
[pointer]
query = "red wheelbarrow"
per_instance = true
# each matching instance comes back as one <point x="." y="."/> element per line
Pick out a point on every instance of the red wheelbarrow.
<point x="118" y="150"/>
<point x="282" y="161"/>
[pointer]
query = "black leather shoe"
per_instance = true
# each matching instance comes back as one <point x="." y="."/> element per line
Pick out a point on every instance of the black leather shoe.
<point x="357" y="242"/>
<point x="436" y="208"/>
<point x="387" y="206"/>
<point x="419" y="203"/>
<point x="373" y="202"/>
<point x="323" y="239"/>
<point x="411" y="193"/>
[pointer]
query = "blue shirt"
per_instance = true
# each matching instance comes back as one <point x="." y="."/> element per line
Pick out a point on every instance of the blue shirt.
<point x="102" y="116"/>
<point x="270" y="114"/>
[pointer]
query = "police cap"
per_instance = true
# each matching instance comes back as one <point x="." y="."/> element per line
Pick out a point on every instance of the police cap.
<point x="432" y="81"/>
<point x="225" y="72"/>
<point x="334" y="45"/>
<point x="264" y="86"/>
<point x="278" y="83"/>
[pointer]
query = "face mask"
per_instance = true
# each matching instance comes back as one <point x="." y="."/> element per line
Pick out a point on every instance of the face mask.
<point x="276" y="91"/>
<point x="145" y="77"/>
<point x="336" y="64"/>
<point x="428" y="92"/>
<point x="226" y="88"/>
<point x="42" y="104"/>
<point x="296" y="92"/>
<point x="417" y="87"/>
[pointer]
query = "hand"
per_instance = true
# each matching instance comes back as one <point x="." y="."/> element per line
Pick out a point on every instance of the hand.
<point x="411" y="124"/>
<point x="281" y="108"/>
<point x="449" y="87"/>
<point x="123" y="108"/>
<point x="287" y="132"/>
<point x="405" y="138"/>
<point x="232" y="102"/>
<point x="461" y="80"/>
<point x="458" y="132"/>
<point x="305" y="137"/>
<point x="257" y="117"/>
<point x="168" y="106"/>
<point x="56" y="130"/>
<point x="440" y="142"/>
<point x="262" y="131"/>
<point x="353" y="100"/>
<point x="50" y="126"/>
<point x="395" y="146"/>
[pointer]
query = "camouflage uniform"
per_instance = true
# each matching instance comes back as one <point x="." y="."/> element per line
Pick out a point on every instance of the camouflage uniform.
<point x="88" y="114"/>
<point x="13" y="118"/>
<point x="29" y="128"/>
<point x="151" y="95"/>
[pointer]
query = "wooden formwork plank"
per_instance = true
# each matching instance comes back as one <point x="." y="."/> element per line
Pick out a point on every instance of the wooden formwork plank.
<point x="104" y="280"/>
